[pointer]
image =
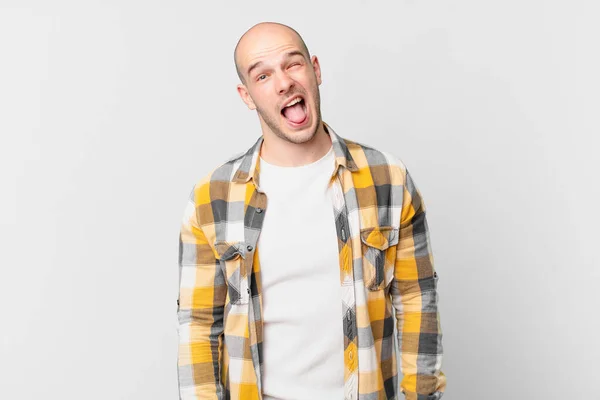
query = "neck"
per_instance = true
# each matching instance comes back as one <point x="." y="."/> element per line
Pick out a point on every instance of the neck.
<point x="280" y="152"/>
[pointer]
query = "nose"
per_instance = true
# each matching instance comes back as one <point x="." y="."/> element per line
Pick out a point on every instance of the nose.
<point x="284" y="83"/>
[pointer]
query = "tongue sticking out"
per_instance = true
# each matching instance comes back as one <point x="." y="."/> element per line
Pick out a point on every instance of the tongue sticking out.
<point x="295" y="113"/>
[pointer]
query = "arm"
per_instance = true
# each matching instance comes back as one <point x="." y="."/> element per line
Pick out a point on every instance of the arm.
<point x="415" y="298"/>
<point x="200" y="312"/>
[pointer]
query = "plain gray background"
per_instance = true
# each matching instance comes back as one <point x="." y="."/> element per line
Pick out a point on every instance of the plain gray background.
<point x="111" y="110"/>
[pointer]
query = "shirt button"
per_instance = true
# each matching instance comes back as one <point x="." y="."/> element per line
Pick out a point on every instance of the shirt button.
<point x="259" y="210"/>
<point x="350" y="355"/>
<point x="249" y="248"/>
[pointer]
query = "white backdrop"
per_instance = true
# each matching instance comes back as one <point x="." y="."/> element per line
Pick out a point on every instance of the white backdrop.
<point x="111" y="110"/>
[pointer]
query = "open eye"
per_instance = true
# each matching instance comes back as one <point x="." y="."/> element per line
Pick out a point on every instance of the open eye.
<point x="260" y="77"/>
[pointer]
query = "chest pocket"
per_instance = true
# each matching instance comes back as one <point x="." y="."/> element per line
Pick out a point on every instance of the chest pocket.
<point x="378" y="255"/>
<point x="231" y="258"/>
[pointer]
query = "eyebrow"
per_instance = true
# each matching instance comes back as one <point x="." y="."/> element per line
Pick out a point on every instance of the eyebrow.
<point x="289" y="54"/>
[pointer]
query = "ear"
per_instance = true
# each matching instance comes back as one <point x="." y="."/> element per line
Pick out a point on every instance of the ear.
<point x="317" y="68"/>
<point x="245" y="95"/>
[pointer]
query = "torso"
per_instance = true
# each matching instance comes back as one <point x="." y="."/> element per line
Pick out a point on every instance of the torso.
<point x="303" y="348"/>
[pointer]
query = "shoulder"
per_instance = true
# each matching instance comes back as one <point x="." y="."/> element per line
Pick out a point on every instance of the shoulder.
<point x="220" y="175"/>
<point x="376" y="160"/>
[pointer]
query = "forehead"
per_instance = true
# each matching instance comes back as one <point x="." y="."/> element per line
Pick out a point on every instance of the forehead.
<point x="265" y="45"/>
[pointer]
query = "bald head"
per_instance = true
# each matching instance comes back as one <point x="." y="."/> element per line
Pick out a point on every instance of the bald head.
<point x="260" y="37"/>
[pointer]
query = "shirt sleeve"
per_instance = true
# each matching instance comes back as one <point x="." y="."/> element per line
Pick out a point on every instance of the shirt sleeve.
<point x="200" y="307"/>
<point x="415" y="299"/>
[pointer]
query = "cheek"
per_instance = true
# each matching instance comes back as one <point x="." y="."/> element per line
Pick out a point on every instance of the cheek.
<point x="260" y="99"/>
<point x="310" y="84"/>
<point x="266" y="104"/>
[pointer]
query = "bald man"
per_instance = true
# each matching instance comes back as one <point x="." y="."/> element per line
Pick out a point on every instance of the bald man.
<point x="296" y="256"/>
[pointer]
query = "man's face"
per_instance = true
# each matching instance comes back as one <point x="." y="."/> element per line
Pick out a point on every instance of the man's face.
<point x="282" y="84"/>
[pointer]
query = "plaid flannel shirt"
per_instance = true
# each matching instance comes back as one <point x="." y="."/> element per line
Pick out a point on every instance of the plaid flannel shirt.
<point x="386" y="270"/>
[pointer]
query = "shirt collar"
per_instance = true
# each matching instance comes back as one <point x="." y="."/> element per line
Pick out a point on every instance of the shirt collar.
<point x="249" y="167"/>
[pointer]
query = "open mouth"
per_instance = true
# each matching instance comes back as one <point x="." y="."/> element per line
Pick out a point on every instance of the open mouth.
<point x="295" y="111"/>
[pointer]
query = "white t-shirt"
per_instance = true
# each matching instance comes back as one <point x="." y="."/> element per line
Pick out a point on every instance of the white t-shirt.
<point x="303" y="343"/>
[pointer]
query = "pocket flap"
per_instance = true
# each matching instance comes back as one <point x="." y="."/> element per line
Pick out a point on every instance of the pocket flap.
<point x="229" y="250"/>
<point x="380" y="238"/>
<point x="231" y="256"/>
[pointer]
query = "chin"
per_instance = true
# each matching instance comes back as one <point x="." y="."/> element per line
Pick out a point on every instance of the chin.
<point x="300" y="136"/>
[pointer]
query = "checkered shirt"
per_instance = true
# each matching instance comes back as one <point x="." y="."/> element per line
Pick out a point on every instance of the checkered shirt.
<point x="386" y="272"/>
